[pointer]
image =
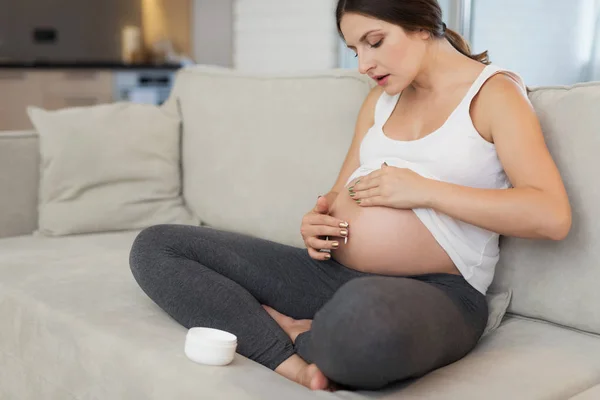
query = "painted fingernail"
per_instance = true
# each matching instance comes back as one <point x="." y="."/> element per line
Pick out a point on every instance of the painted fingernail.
<point x="344" y="232"/>
<point x="357" y="182"/>
<point x="351" y="188"/>
<point x="352" y="194"/>
<point x="335" y="245"/>
<point x="357" y="201"/>
<point x="327" y="256"/>
<point x="343" y="224"/>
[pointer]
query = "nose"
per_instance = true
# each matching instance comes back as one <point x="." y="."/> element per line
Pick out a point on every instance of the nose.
<point x="365" y="64"/>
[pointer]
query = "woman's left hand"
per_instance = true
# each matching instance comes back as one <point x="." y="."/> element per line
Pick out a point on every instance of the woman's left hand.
<point x="391" y="187"/>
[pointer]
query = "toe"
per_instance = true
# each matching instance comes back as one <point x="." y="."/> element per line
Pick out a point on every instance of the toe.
<point x="318" y="381"/>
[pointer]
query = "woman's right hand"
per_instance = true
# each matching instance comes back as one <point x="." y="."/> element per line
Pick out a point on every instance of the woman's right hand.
<point x="316" y="225"/>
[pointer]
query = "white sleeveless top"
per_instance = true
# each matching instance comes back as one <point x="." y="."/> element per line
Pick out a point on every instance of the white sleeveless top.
<point x="454" y="153"/>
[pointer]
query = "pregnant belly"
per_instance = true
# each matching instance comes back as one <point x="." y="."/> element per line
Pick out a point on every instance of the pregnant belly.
<point x="387" y="241"/>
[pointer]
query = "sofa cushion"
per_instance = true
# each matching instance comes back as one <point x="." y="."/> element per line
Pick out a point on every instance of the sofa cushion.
<point x="522" y="359"/>
<point x="558" y="281"/>
<point x="75" y="325"/>
<point x="590" y="394"/>
<point x="81" y="328"/>
<point x="258" y="150"/>
<point x="108" y="168"/>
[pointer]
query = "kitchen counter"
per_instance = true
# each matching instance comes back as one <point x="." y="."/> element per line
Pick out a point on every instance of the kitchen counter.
<point x="84" y="65"/>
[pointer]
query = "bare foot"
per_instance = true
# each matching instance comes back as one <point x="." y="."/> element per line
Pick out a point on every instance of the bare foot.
<point x="293" y="327"/>
<point x="297" y="370"/>
<point x="313" y="378"/>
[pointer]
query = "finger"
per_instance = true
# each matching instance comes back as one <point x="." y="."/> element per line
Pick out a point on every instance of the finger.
<point x="354" y="181"/>
<point x="372" y="201"/>
<point x="368" y="193"/>
<point x="319" y="244"/>
<point x="371" y="183"/>
<point x="321" y="206"/>
<point x="320" y="219"/>
<point x="318" y="255"/>
<point x="372" y="188"/>
<point x="323" y="231"/>
<point x="371" y="180"/>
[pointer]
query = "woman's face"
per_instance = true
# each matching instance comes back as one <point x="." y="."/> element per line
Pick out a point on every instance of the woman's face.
<point x="385" y="49"/>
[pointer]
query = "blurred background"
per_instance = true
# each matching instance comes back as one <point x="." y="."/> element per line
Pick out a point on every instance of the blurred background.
<point x="65" y="53"/>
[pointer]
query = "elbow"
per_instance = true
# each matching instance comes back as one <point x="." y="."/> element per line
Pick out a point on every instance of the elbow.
<point x="558" y="228"/>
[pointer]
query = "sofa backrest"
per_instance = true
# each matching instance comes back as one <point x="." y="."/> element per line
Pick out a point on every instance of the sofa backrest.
<point x="19" y="181"/>
<point x="560" y="281"/>
<point x="258" y="150"/>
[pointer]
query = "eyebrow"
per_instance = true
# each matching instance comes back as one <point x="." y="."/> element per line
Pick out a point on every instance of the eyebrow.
<point x="363" y="37"/>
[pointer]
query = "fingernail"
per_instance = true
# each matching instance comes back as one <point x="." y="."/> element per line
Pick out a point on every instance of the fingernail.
<point x="327" y="256"/>
<point x="356" y="182"/>
<point x="344" y="232"/>
<point x="351" y="188"/>
<point x="335" y="245"/>
<point x="352" y="194"/>
<point x="343" y="224"/>
<point x="357" y="201"/>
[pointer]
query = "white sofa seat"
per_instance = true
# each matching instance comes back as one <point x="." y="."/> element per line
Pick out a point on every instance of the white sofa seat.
<point x="70" y="305"/>
<point x="73" y="307"/>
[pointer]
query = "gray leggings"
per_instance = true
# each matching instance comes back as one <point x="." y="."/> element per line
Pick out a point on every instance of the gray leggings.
<point x="368" y="330"/>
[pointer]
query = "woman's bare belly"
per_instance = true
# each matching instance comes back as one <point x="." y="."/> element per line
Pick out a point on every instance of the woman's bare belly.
<point x="387" y="241"/>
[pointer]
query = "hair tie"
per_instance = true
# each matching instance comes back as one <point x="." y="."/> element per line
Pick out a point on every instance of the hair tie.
<point x="444" y="27"/>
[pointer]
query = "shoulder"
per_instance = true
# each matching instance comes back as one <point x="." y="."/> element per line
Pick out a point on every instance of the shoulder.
<point x="503" y="85"/>
<point x="502" y="96"/>
<point x="367" y="111"/>
<point x="374" y="96"/>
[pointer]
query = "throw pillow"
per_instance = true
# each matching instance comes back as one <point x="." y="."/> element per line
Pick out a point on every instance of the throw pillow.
<point x="497" y="306"/>
<point x="109" y="167"/>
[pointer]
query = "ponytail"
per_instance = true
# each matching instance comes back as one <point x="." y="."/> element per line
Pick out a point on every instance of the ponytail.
<point x="460" y="44"/>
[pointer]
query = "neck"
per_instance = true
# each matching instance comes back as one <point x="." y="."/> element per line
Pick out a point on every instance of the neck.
<point x="443" y="67"/>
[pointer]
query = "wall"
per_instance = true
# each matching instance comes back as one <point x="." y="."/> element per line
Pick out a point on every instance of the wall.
<point x="212" y="38"/>
<point x="281" y="36"/>
<point x="85" y="31"/>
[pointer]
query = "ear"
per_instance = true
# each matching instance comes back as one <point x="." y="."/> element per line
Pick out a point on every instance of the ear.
<point x="424" y="34"/>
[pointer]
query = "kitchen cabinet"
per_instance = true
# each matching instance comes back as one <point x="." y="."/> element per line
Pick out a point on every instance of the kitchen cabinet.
<point x="18" y="90"/>
<point x="76" y="88"/>
<point x="49" y="89"/>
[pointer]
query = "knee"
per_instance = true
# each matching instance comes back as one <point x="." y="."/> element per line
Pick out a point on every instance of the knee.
<point x="352" y="339"/>
<point x="145" y="248"/>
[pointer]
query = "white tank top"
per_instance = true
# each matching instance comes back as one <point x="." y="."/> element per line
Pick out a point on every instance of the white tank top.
<point x="454" y="153"/>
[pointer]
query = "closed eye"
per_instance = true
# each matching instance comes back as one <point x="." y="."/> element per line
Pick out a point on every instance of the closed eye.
<point x="376" y="45"/>
<point x="373" y="46"/>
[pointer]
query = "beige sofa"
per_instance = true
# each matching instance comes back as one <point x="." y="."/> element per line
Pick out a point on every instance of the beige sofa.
<point x="256" y="152"/>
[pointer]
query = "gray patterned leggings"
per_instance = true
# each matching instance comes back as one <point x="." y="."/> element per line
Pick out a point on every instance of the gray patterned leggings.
<point x="368" y="330"/>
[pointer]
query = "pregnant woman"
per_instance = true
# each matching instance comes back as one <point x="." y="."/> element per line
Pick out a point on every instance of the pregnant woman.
<point x="447" y="155"/>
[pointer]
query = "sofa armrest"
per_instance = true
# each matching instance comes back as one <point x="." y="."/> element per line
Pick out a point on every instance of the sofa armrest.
<point x="19" y="177"/>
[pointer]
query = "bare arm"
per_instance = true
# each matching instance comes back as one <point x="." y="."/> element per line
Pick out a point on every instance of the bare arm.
<point x="537" y="206"/>
<point x="365" y="120"/>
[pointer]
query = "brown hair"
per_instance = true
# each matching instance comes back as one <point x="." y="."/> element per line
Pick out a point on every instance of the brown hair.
<point x="411" y="15"/>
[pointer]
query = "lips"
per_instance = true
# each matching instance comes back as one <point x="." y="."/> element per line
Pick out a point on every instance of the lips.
<point x="380" y="77"/>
